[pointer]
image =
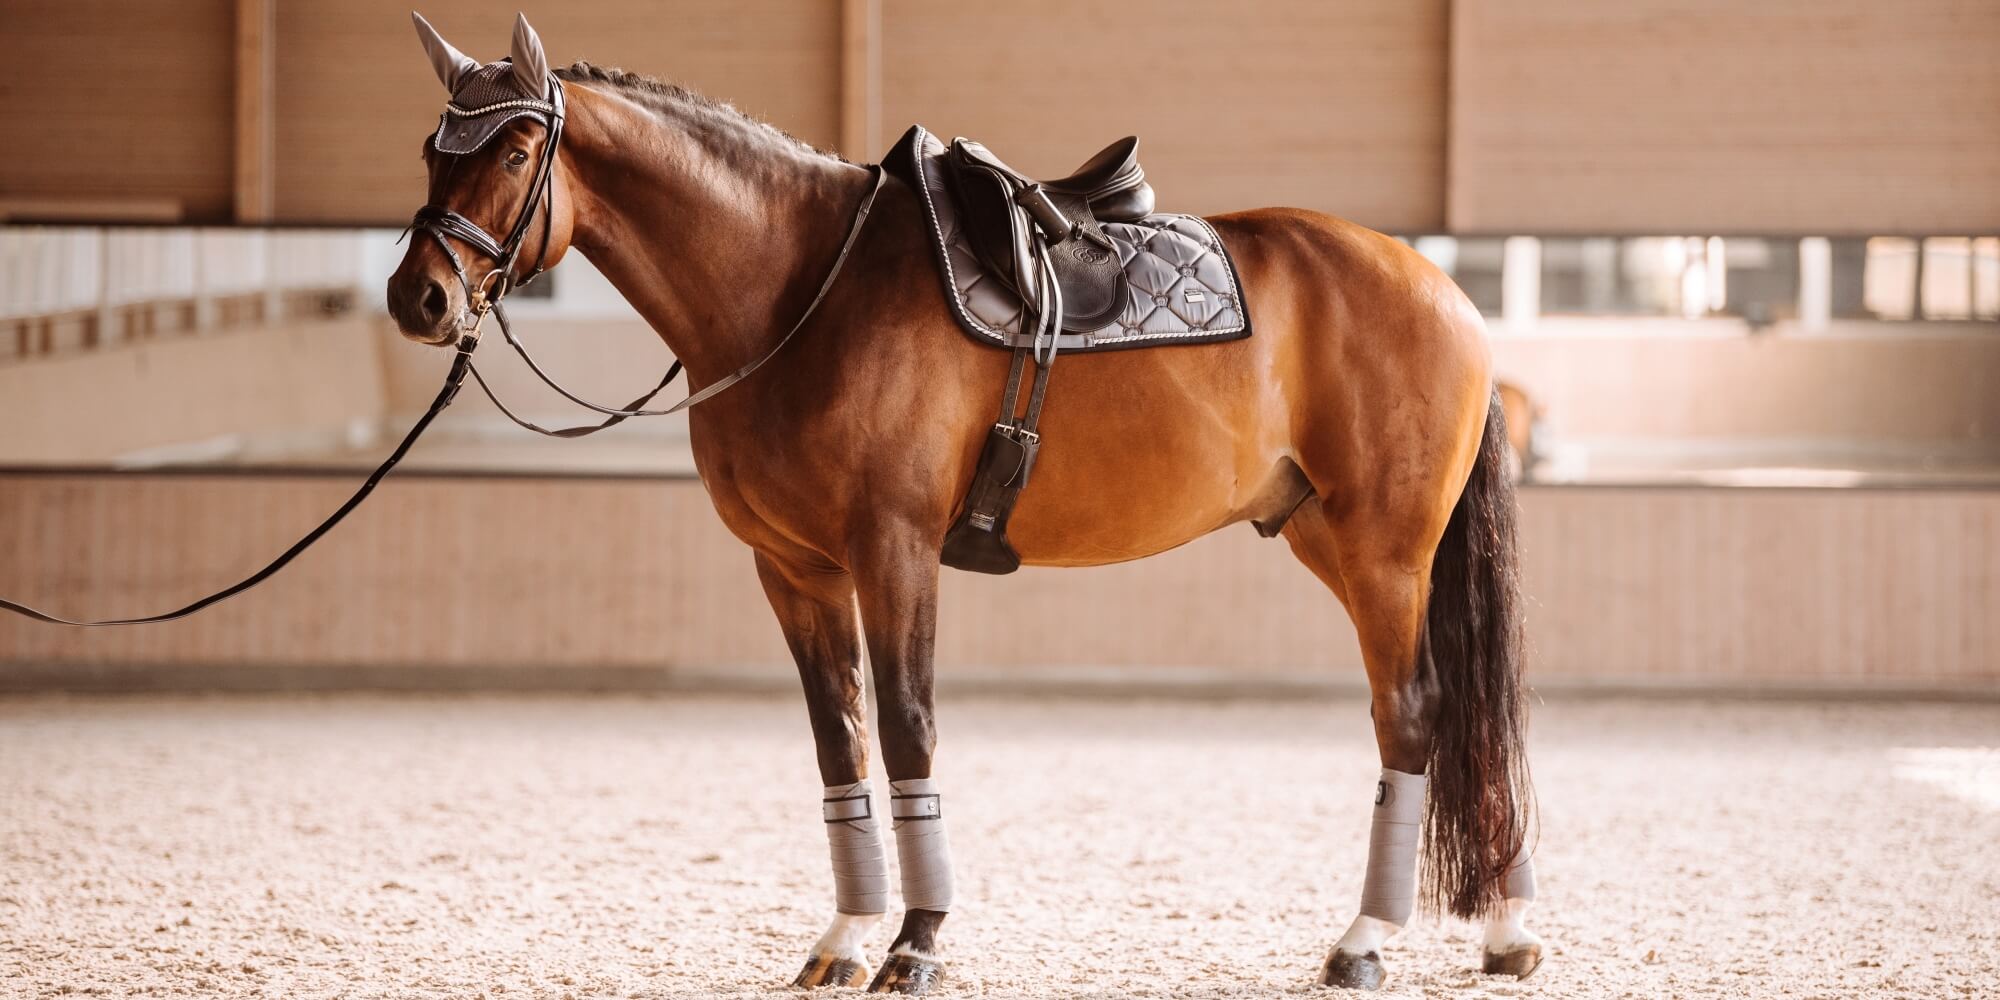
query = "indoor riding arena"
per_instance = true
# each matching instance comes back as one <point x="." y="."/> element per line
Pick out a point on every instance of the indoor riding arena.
<point x="1479" y="498"/>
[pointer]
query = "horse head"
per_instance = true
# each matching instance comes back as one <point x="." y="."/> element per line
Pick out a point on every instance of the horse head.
<point x="499" y="210"/>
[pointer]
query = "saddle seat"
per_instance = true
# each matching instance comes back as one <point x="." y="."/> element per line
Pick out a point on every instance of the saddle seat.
<point x="1008" y="214"/>
<point x="1112" y="181"/>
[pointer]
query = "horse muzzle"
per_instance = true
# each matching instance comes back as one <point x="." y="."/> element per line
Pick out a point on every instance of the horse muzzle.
<point x="426" y="310"/>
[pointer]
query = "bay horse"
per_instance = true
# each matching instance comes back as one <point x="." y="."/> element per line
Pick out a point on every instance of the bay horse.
<point x="1362" y="407"/>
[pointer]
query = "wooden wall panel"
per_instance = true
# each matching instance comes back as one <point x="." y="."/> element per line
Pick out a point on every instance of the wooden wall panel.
<point x="1703" y="116"/>
<point x="1332" y="106"/>
<point x="356" y="96"/>
<point x="108" y="102"/>
<point x="1861" y="587"/>
<point x="1731" y="587"/>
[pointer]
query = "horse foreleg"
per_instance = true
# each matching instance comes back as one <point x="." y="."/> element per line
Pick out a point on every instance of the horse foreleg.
<point x="815" y="607"/>
<point x="897" y="587"/>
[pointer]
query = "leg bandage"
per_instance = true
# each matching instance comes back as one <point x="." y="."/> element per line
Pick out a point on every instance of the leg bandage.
<point x="860" y="866"/>
<point x="1520" y="882"/>
<point x="1389" y="891"/>
<point x="921" y="847"/>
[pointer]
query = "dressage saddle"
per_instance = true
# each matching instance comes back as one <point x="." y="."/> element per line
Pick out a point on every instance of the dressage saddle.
<point x="1007" y="214"/>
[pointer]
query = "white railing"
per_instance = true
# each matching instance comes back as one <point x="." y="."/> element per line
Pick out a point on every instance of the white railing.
<point x="72" y="288"/>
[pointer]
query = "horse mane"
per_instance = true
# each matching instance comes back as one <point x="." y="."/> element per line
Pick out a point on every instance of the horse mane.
<point x="698" y="111"/>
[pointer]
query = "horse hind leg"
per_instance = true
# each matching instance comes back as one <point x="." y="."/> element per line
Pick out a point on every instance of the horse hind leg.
<point x="1433" y="600"/>
<point x="1386" y="604"/>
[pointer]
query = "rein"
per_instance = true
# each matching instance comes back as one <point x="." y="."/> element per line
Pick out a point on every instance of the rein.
<point x="482" y="298"/>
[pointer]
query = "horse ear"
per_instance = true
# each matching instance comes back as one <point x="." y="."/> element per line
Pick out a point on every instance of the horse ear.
<point x="451" y="64"/>
<point x="531" y="64"/>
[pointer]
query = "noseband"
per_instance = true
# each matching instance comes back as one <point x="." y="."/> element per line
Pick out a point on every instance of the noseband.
<point x="482" y="297"/>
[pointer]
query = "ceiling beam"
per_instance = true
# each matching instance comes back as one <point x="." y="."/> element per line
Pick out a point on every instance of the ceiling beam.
<point x="860" y="79"/>
<point x="256" y="76"/>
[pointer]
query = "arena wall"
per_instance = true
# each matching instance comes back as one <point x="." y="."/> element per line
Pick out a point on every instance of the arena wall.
<point x="623" y="582"/>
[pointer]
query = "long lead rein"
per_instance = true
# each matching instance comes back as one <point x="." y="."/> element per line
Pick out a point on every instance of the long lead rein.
<point x="460" y="364"/>
<point x="439" y="222"/>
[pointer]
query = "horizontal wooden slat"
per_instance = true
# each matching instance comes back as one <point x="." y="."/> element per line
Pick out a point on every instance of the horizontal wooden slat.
<point x="104" y="99"/>
<point x="356" y="95"/>
<point x="1674" y="586"/>
<point x="1699" y="116"/>
<point x="1332" y="106"/>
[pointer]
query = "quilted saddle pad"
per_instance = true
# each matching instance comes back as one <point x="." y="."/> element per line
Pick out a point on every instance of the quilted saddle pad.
<point x="1181" y="285"/>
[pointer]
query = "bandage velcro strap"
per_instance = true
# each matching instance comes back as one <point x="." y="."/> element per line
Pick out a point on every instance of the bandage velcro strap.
<point x="918" y="806"/>
<point x="848" y="808"/>
<point x="1520" y="881"/>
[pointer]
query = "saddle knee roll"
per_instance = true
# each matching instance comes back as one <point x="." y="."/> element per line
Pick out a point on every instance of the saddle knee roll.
<point x="922" y="849"/>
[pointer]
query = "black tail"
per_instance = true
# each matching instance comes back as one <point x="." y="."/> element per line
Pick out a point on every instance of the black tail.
<point x="1481" y="801"/>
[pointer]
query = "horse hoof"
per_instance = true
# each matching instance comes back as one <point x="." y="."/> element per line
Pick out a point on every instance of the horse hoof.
<point x="911" y="975"/>
<point x="1519" y="962"/>
<point x="831" y="970"/>
<point x="1352" y="971"/>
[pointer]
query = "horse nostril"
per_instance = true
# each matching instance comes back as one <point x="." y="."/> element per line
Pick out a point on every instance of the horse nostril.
<point x="434" y="303"/>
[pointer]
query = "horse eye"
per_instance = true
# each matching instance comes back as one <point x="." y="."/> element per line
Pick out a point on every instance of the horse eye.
<point x="517" y="157"/>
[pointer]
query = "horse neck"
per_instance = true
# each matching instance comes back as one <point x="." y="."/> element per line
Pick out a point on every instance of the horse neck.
<point x="719" y="243"/>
